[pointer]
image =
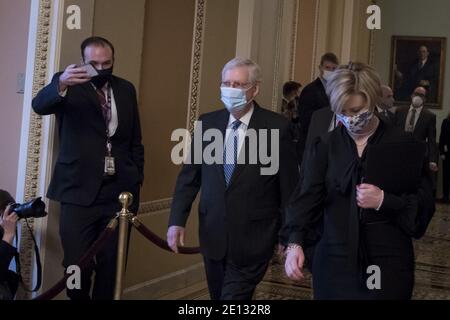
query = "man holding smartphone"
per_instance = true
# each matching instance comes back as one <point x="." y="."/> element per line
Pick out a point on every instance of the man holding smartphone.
<point x="100" y="156"/>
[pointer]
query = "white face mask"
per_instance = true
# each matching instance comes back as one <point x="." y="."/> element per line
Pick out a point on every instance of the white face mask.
<point x="417" y="102"/>
<point x="356" y="124"/>
<point x="327" y="75"/>
<point x="234" y="99"/>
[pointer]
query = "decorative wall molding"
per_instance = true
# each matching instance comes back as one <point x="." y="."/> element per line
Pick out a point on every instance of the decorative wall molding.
<point x="167" y="284"/>
<point x="196" y="64"/>
<point x="278" y="49"/>
<point x="294" y="39"/>
<point x="151" y="207"/>
<point x="347" y="30"/>
<point x="34" y="143"/>
<point x="315" y="40"/>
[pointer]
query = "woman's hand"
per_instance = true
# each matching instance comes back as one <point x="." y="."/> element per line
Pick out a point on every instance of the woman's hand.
<point x="295" y="258"/>
<point x="369" y="196"/>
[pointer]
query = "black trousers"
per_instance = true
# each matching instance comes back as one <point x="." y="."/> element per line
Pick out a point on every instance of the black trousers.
<point x="446" y="178"/>
<point x="226" y="281"/>
<point x="79" y="228"/>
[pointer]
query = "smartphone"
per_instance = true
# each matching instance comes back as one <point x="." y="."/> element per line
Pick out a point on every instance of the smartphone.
<point x="89" y="68"/>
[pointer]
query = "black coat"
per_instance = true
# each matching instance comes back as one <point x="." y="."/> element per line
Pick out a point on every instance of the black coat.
<point x="242" y="221"/>
<point x="320" y="124"/>
<point x="389" y="118"/>
<point x="78" y="173"/>
<point x="312" y="98"/>
<point x="328" y="194"/>
<point x="444" y="138"/>
<point x="425" y="129"/>
<point x="7" y="253"/>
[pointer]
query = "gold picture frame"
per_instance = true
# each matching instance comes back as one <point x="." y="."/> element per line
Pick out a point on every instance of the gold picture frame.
<point x="418" y="61"/>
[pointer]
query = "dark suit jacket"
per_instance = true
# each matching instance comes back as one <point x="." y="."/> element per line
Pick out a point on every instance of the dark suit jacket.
<point x="389" y="119"/>
<point x="320" y="124"/>
<point x="425" y="129"/>
<point x="242" y="221"/>
<point x="444" y="138"/>
<point x="78" y="173"/>
<point x="312" y="98"/>
<point x="429" y="72"/>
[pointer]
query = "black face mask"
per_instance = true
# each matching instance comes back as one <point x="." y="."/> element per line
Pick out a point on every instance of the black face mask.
<point x="103" y="77"/>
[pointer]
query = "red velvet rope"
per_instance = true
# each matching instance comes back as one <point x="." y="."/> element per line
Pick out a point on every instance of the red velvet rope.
<point x="98" y="244"/>
<point x="161" y="243"/>
<point x="84" y="261"/>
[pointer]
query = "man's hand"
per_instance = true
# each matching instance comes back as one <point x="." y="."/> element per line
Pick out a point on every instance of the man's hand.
<point x="295" y="258"/>
<point x="434" y="167"/>
<point x="8" y="222"/>
<point x="72" y="76"/>
<point x="368" y="196"/>
<point x="175" y="237"/>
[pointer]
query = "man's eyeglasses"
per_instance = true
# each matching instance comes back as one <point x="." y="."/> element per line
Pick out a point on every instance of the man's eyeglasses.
<point x="237" y="85"/>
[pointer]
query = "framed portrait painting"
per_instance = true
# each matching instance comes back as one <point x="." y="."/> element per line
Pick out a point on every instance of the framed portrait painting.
<point x="418" y="62"/>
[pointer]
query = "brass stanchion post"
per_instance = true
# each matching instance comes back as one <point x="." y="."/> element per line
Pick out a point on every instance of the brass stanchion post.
<point x="126" y="199"/>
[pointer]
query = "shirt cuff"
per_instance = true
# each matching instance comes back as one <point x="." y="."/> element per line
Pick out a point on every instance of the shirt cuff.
<point x="62" y="94"/>
<point x="381" y="202"/>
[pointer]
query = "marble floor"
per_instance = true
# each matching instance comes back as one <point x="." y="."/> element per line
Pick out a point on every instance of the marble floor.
<point x="432" y="270"/>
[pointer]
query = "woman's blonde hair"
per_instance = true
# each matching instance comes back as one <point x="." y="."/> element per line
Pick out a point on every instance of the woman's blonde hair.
<point x="351" y="79"/>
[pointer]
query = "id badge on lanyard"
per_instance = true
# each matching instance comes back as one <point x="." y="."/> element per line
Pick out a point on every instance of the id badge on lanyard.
<point x="110" y="166"/>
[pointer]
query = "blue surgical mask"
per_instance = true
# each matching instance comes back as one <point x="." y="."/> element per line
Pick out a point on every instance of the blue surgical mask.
<point x="234" y="99"/>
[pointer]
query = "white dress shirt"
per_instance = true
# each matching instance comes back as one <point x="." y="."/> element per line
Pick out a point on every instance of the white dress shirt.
<point x="408" y="117"/>
<point x="242" y="130"/>
<point x="114" y="123"/>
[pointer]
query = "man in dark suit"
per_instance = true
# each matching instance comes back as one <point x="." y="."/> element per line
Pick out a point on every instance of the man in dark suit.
<point x="421" y="123"/>
<point x="314" y="96"/>
<point x="241" y="208"/>
<point x="100" y="156"/>
<point x="444" y="149"/>
<point x="424" y="72"/>
<point x="384" y="110"/>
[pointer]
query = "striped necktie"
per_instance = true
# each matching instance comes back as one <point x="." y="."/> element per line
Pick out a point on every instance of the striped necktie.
<point x="105" y="104"/>
<point x="231" y="152"/>
<point x="412" y="121"/>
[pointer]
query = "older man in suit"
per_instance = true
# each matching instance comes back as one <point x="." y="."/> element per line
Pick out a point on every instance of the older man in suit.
<point x="100" y="156"/>
<point x="421" y="123"/>
<point x="241" y="209"/>
<point x="385" y="109"/>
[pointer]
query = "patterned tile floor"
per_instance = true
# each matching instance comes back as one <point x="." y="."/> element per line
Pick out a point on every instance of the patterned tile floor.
<point x="432" y="270"/>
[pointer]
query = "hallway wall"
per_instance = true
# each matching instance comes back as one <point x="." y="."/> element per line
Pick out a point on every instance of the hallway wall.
<point x="14" y="15"/>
